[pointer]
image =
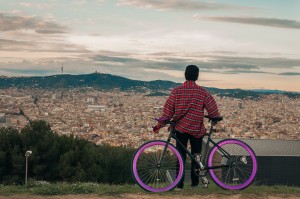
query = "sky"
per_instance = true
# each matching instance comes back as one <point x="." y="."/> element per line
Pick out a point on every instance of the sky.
<point x="249" y="44"/>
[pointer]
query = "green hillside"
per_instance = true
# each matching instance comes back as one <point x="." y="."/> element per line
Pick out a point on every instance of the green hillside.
<point x="111" y="82"/>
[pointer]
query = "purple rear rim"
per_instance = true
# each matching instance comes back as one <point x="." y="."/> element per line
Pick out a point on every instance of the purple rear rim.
<point x="138" y="179"/>
<point x="253" y="174"/>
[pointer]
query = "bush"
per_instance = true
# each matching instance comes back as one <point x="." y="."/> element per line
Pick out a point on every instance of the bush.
<point x="60" y="158"/>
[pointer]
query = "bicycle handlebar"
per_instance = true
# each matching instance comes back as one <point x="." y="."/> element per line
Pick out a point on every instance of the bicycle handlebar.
<point x="164" y="120"/>
<point x="214" y="120"/>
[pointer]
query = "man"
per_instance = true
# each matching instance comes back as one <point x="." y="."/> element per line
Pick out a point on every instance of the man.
<point x="186" y="106"/>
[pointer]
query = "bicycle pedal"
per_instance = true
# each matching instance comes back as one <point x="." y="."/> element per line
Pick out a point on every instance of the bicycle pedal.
<point x="205" y="186"/>
<point x="204" y="180"/>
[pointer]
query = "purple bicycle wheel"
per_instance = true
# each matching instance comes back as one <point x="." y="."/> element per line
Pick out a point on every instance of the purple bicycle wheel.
<point x="239" y="169"/>
<point x="155" y="177"/>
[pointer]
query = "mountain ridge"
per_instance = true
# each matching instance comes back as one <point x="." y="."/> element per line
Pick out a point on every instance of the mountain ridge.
<point x="111" y="82"/>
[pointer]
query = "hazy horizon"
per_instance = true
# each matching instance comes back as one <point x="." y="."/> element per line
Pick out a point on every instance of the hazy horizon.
<point x="236" y="44"/>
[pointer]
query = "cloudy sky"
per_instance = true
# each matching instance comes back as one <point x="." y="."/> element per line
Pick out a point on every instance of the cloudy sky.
<point x="250" y="44"/>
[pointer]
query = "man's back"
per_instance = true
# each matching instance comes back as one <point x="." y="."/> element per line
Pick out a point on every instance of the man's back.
<point x="186" y="105"/>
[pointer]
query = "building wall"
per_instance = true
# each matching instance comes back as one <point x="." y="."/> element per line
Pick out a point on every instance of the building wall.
<point x="278" y="170"/>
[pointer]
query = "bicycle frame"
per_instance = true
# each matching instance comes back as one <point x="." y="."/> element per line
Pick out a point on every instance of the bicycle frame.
<point x="203" y="166"/>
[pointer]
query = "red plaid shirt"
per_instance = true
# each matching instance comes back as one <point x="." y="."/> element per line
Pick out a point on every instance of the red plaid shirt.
<point x="186" y="106"/>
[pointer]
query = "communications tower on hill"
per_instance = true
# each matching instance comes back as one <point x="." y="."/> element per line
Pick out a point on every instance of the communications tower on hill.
<point x="62" y="82"/>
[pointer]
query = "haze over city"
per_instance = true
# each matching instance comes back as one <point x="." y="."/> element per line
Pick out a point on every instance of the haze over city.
<point x="236" y="44"/>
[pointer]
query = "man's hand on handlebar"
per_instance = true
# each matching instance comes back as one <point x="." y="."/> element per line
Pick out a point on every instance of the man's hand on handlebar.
<point x="161" y="123"/>
<point x="157" y="127"/>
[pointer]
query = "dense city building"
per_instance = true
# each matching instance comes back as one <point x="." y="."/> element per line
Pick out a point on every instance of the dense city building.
<point x="126" y="118"/>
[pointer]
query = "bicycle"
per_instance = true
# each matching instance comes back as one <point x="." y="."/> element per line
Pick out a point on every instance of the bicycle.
<point x="157" y="165"/>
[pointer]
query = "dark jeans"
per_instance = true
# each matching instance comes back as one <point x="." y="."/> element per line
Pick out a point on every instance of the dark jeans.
<point x="196" y="146"/>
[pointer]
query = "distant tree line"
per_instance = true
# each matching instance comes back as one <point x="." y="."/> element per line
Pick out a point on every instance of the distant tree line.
<point x="60" y="158"/>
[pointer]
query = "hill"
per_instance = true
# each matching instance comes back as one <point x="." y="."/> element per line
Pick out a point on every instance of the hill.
<point x="94" y="80"/>
<point x="111" y="82"/>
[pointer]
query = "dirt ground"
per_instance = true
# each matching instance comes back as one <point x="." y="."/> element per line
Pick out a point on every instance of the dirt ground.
<point x="140" y="196"/>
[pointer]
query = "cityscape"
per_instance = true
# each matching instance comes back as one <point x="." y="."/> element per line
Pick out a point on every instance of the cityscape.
<point x="83" y="83"/>
<point x="126" y="118"/>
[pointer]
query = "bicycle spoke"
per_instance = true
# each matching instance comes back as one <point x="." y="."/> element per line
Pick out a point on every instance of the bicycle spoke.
<point x="157" y="177"/>
<point x="239" y="173"/>
<point x="147" y="173"/>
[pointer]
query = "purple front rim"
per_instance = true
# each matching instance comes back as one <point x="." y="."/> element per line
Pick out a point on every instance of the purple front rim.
<point x="216" y="179"/>
<point x="141" y="183"/>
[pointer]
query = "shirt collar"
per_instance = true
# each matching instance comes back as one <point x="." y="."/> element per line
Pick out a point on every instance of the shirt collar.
<point x="190" y="83"/>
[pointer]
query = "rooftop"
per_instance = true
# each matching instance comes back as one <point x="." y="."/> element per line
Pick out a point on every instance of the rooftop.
<point x="269" y="147"/>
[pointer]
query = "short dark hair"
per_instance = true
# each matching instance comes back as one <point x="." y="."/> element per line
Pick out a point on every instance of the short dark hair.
<point x="191" y="72"/>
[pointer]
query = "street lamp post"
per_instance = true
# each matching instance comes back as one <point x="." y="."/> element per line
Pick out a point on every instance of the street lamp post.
<point x="27" y="154"/>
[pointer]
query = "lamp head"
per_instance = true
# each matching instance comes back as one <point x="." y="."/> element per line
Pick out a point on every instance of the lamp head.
<point x="28" y="153"/>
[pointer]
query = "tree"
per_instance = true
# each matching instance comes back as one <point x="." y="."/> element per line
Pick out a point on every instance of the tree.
<point x="56" y="158"/>
<point x="11" y="160"/>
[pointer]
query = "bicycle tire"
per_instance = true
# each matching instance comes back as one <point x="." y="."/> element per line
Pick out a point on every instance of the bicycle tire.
<point x="145" y="161"/>
<point x="242" y="165"/>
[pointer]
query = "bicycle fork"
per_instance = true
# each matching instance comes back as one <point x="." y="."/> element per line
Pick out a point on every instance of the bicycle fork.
<point x="164" y="151"/>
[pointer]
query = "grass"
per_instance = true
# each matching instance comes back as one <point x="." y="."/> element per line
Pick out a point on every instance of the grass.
<point x="105" y="189"/>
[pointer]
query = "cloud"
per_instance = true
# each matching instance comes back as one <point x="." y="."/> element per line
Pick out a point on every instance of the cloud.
<point x="162" y="53"/>
<point x="49" y="31"/>
<point x="212" y="62"/>
<point x="26" y="72"/>
<point x="29" y="34"/>
<point x="6" y="43"/>
<point x="105" y="58"/>
<point x="270" y="22"/>
<point x="180" y="5"/>
<point x="253" y="62"/>
<point x="150" y="67"/>
<point x="244" y="71"/>
<point x="143" y="66"/>
<point x="100" y="2"/>
<point x="30" y="68"/>
<point x="36" y="5"/>
<point x="112" y="53"/>
<point x="80" y="2"/>
<point x="289" y="73"/>
<point x="49" y="66"/>
<point x="13" y="23"/>
<point x="132" y="61"/>
<point x="40" y="46"/>
<point x="79" y="66"/>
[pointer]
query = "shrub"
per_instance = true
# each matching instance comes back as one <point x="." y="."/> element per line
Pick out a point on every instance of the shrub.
<point x="60" y="158"/>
